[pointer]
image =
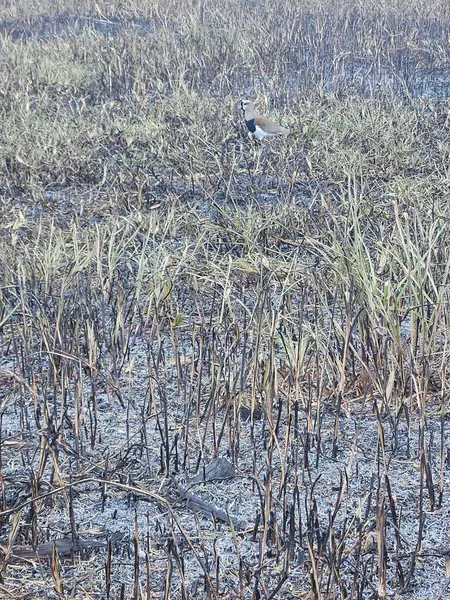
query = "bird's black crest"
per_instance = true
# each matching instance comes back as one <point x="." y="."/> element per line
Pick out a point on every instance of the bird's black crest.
<point x="251" y="125"/>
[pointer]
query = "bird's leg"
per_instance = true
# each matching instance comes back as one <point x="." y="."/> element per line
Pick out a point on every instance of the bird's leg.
<point x="259" y="151"/>
<point x="257" y="147"/>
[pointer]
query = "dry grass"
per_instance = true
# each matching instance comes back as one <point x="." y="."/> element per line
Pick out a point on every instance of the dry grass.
<point x="170" y="294"/>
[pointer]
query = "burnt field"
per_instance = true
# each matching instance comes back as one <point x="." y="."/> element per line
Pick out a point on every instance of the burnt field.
<point x="223" y="365"/>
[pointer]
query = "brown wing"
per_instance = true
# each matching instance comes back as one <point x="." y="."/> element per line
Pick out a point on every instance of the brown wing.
<point x="269" y="126"/>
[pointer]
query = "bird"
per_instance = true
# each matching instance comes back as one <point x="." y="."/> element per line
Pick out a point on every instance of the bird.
<point x="259" y="126"/>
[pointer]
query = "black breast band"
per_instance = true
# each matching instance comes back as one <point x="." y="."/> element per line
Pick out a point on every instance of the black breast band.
<point x="251" y="125"/>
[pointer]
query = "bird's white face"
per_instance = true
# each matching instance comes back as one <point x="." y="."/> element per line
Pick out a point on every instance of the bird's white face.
<point x="246" y="104"/>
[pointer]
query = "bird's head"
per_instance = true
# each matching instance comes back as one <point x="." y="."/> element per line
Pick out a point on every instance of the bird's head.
<point x="247" y="104"/>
